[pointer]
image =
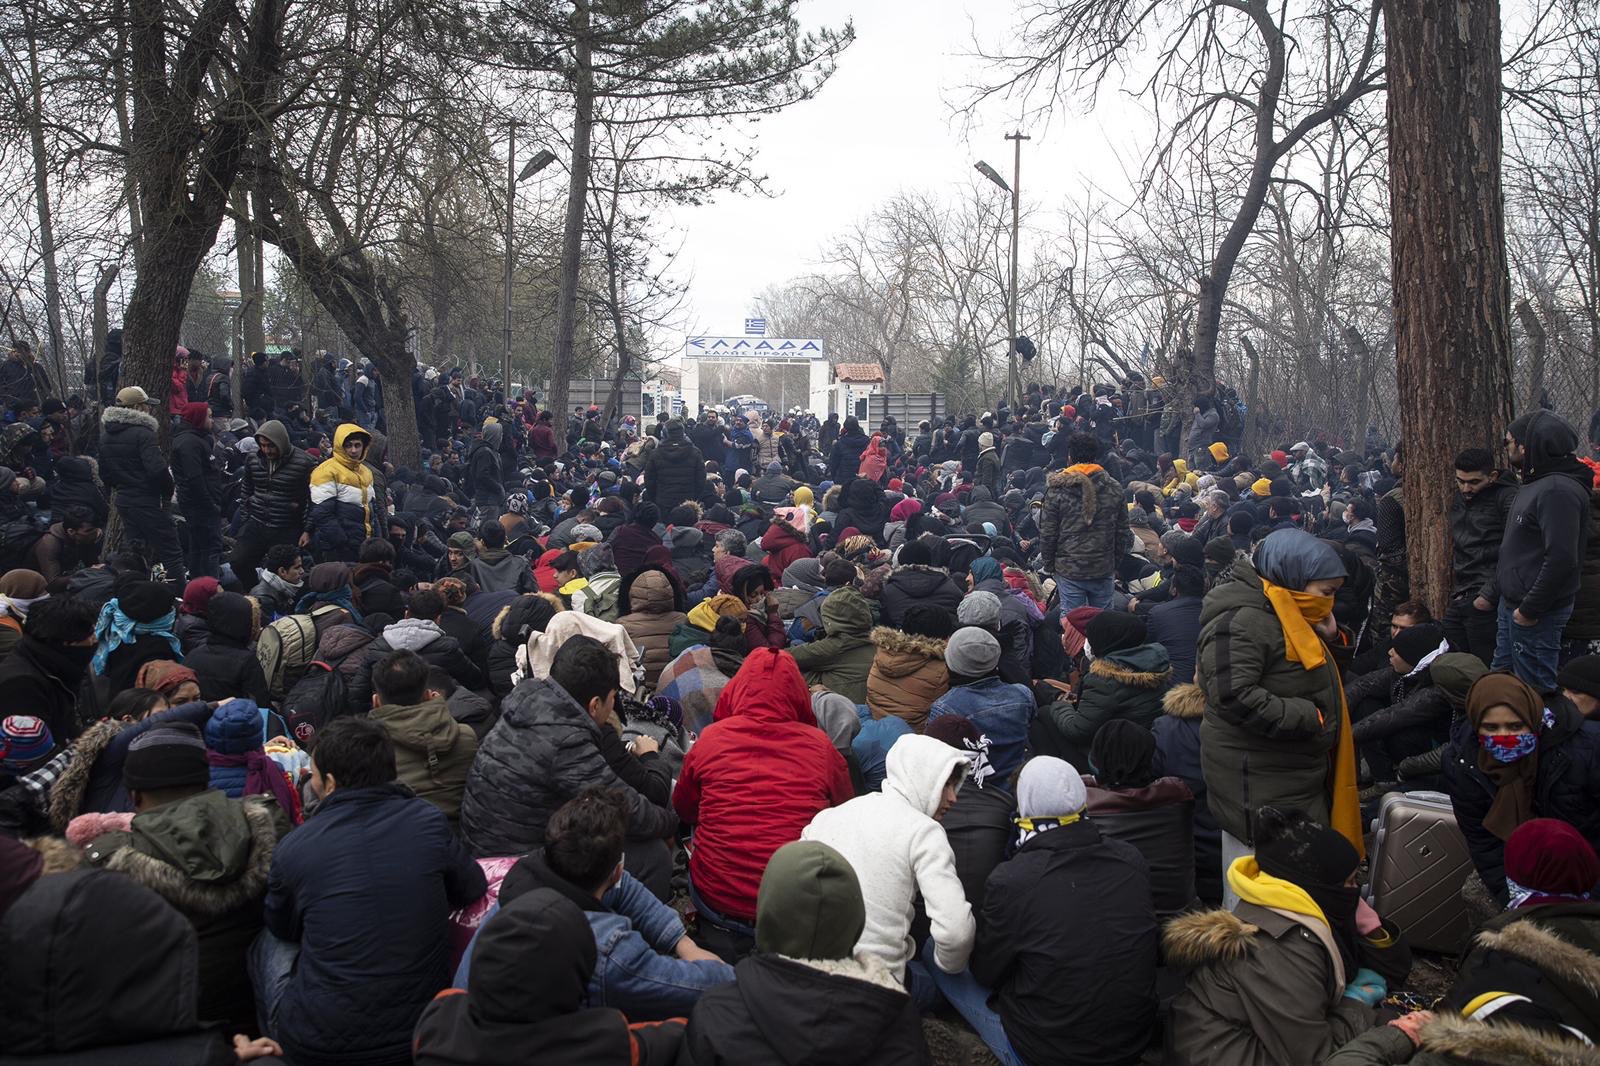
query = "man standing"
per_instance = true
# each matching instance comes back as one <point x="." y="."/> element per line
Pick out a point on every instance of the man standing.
<point x="22" y="381"/>
<point x="132" y="466"/>
<point x="274" y="499"/>
<point x="484" y="477"/>
<point x="199" y="482"/>
<point x="675" y="473"/>
<point x="1542" y="551"/>
<point x="1083" y="527"/>
<point x="1477" y="525"/>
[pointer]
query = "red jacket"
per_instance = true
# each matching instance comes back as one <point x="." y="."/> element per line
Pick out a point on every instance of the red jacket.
<point x="542" y="441"/>
<point x="756" y="777"/>
<point x="783" y="545"/>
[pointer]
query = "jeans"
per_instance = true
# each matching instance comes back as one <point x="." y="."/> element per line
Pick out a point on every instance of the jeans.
<point x="271" y="962"/>
<point x="1531" y="652"/>
<point x="1471" y="630"/>
<point x="1090" y="592"/>
<point x="971" y="1000"/>
<point x="151" y="525"/>
<point x="204" y="558"/>
<point x="729" y="938"/>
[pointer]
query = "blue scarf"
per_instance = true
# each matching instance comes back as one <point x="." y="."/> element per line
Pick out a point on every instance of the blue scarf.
<point x="339" y="597"/>
<point x="113" y="629"/>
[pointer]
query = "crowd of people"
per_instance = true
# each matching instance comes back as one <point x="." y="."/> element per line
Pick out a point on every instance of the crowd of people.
<point x="753" y="737"/>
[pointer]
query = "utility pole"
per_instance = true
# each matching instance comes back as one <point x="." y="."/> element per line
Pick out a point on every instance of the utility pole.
<point x="511" y="203"/>
<point x="1014" y="383"/>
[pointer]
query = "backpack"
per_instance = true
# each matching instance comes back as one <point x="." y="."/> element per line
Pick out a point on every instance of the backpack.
<point x="17" y="539"/>
<point x="287" y="647"/>
<point x="315" y="699"/>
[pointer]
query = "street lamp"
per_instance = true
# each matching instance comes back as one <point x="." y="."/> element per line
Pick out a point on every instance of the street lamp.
<point x="540" y="160"/>
<point x="1013" y="380"/>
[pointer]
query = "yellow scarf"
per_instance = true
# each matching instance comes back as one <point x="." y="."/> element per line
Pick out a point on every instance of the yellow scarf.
<point x="1297" y="612"/>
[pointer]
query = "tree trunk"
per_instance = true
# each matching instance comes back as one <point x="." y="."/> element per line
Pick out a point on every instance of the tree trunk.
<point x="1538" y="346"/>
<point x="1451" y="287"/>
<point x="1252" y="397"/>
<point x="41" y="200"/>
<point x="1363" y="352"/>
<point x="577" y="201"/>
<point x="100" y="329"/>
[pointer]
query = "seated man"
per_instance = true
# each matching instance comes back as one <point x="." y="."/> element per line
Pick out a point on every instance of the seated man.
<point x="648" y="967"/>
<point x="433" y="752"/>
<point x="356" y="940"/>
<point x="1000" y="712"/>
<point x="752" y="782"/>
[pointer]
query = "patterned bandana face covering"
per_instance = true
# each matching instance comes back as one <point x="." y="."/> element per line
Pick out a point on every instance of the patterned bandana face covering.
<point x="1510" y="748"/>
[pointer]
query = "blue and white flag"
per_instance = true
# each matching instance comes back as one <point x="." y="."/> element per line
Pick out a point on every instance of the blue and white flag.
<point x="755" y="327"/>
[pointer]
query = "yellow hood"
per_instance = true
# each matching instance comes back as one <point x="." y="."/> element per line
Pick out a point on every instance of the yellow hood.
<point x="706" y="613"/>
<point x="342" y="434"/>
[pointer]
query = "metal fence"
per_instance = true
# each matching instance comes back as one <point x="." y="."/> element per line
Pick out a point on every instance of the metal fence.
<point x="908" y="408"/>
<point x="595" y="391"/>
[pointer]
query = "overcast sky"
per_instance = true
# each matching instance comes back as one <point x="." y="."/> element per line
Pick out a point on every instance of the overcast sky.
<point x="882" y="124"/>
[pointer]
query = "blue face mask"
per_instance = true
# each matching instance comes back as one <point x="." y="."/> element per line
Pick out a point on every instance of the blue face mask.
<point x="1509" y="749"/>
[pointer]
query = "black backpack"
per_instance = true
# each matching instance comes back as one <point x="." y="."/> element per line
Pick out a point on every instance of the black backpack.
<point x="315" y="699"/>
<point x="17" y="539"/>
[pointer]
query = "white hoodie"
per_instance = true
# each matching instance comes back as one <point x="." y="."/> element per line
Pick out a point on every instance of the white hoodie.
<point x="898" y="851"/>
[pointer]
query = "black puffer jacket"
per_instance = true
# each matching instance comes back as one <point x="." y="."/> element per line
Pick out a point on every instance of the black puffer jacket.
<point x="675" y="473"/>
<point x="131" y="462"/>
<point x="910" y="586"/>
<point x="1567" y="787"/>
<point x="226" y="665"/>
<point x="544" y="750"/>
<point x="277" y="494"/>
<point x="198" y="476"/>
<point x="75" y="487"/>
<point x="863" y="508"/>
<point x="845" y="459"/>
<point x="427" y="639"/>
<point x="1585" y="621"/>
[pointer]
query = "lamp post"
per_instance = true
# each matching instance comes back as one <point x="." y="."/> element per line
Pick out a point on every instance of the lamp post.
<point x="1013" y="380"/>
<point x="540" y="160"/>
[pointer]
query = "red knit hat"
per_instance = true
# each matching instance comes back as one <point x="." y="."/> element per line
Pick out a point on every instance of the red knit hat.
<point x="1552" y="859"/>
<point x="194" y="414"/>
<point x="1281" y="458"/>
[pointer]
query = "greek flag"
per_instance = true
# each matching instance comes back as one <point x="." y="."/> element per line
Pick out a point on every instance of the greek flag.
<point x="755" y="327"/>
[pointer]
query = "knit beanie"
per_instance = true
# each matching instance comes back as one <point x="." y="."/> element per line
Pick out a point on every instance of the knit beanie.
<point x="1111" y="631"/>
<point x="25" y="743"/>
<point x="955" y="730"/>
<point x="1552" y="858"/>
<point x="234" y="728"/>
<point x="1122" y="754"/>
<point x="1220" y="551"/>
<point x="145" y="601"/>
<point x="462" y="541"/>
<point x="1261" y="487"/>
<point x="1281" y="458"/>
<point x="809" y="905"/>
<point x="197" y="593"/>
<point x="1415" y="642"/>
<point x="774" y="468"/>
<point x="972" y="652"/>
<point x="1184" y="549"/>
<point x="986" y="440"/>
<point x="1581" y="675"/>
<point x="1049" y="787"/>
<point x="169" y="756"/>
<point x="1292" y="847"/>
<point x="981" y="609"/>
<point x="194" y="413"/>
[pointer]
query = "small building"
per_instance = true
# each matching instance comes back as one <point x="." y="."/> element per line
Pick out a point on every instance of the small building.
<point x="854" y="384"/>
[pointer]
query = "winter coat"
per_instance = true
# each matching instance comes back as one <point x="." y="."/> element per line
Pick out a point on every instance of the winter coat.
<point x="277" y="495"/>
<point x="364" y="887"/>
<point x="1175" y="625"/>
<point x="131" y="463"/>
<point x="773" y="489"/>
<point x="1567" y="786"/>
<point x="784" y="546"/>
<point x="44" y="679"/>
<point x="981" y="836"/>
<point x="1067" y="941"/>
<point x="1177" y="734"/>
<point x="340" y="517"/>
<point x="226" y="664"/>
<point x="807" y="1012"/>
<point x="1476" y="530"/>
<point x="1083" y="526"/>
<point x="500" y="571"/>
<point x="754" y="780"/>
<point x="1411" y="702"/>
<point x="691" y="554"/>
<point x="432" y="751"/>
<point x="900" y="853"/>
<point x="1547" y="531"/>
<point x="1016" y="632"/>
<point x="196" y="472"/>
<point x="428" y="640"/>
<point x="1271" y="726"/>
<point x="483" y="472"/>
<point x="1265" y="987"/>
<point x="544" y="750"/>
<point x="209" y="857"/>
<point x="845" y="458"/>
<point x="908" y="673"/>
<point x="863" y="509"/>
<point x="1002" y="714"/>
<point x="1584" y="625"/>
<point x="1122" y="684"/>
<point x="988" y="474"/>
<point x="629" y="545"/>
<point x="675" y="473"/>
<point x="635" y="934"/>
<point x="1158" y="819"/>
<point x="916" y="585"/>
<point x="842" y="658"/>
<point x="75" y="487"/>
<point x="655" y="609"/>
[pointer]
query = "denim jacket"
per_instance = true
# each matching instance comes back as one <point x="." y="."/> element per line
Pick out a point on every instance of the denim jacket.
<point x="1001" y="714"/>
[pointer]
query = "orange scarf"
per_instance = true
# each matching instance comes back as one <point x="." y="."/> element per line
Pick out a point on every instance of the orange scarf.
<point x="1086" y="469"/>
<point x="1297" y="613"/>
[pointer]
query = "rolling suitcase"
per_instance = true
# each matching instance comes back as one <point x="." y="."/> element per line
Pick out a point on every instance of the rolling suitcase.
<point x="1419" y="861"/>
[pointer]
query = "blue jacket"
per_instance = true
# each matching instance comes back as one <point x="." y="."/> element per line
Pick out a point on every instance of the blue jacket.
<point x="365" y="887"/>
<point x="634" y="934"/>
<point x="1001" y="713"/>
<point x="1175" y="625"/>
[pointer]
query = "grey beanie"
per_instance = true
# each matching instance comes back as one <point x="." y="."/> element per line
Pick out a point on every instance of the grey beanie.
<point x="972" y="652"/>
<point x="979" y="609"/>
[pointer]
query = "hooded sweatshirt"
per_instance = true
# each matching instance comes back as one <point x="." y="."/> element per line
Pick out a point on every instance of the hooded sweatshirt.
<point x="1547" y="531"/>
<point x="900" y="852"/>
<point x="756" y="777"/>
<point x="433" y="752"/>
<point x="341" y="500"/>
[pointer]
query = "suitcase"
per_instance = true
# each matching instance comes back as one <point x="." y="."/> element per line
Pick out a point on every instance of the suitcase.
<point x="1419" y="862"/>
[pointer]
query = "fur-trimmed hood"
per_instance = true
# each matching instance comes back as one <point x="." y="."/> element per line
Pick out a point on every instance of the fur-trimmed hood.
<point x="894" y="640"/>
<point x="1472" y="1041"/>
<point x="127" y="416"/>
<point x="1067" y="479"/>
<point x="1185" y="701"/>
<point x="866" y="968"/>
<point x="1145" y="666"/>
<point x="213" y="895"/>
<point x="66" y="795"/>
<point x="1207" y="937"/>
<point x="1539" y="947"/>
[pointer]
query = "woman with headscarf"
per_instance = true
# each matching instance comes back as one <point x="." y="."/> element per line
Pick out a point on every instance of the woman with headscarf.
<point x="134" y="627"/>
<point x="1296" y="967"/>
<point x="191" y="624"/>
<point x="1512" y="759"/>
<point x="19" y="589"/>
<point x="1276" y="731"/>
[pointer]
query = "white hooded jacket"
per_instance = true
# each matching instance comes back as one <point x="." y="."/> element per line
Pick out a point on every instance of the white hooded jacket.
<point x="898" y="852"/>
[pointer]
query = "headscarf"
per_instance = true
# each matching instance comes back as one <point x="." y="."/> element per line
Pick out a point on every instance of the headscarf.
<point x="197" y="593"/>
<point x="1513" y="781"/>
<point x="164" y="676"/>
<point x="329" y="583"/>
<point x="1122" y="755"/>
<point x="903" y="510"/>
<point x="113" y="629"/>
<point x="1549" y="861"/>
<point x="984" y="568"/>
<point x="19" y="590"/>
